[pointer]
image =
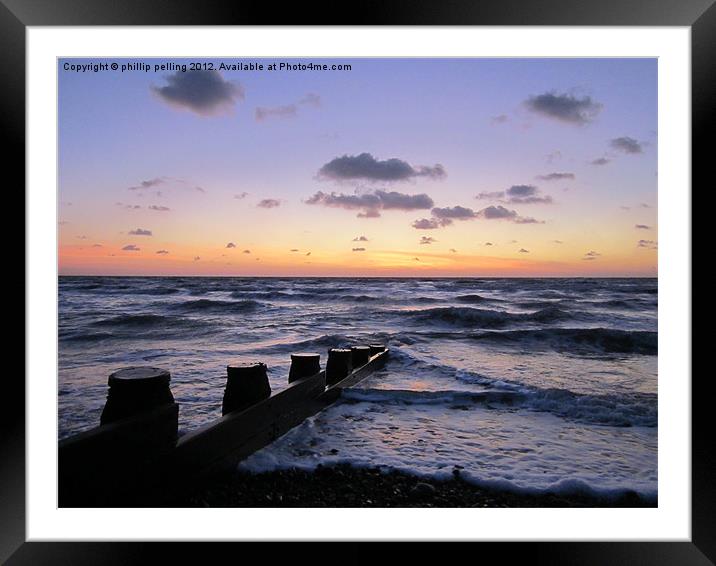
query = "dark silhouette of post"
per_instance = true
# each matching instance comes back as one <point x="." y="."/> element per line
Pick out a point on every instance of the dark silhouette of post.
<point x="114" y="462"/>
<point x="304" y="365"/>
<point x="246" y="385"/>
<point x="338" y="365"/>
<point x="360" y="355"/>
<point x="376" y="349"/>
<point x="135" y="390"/>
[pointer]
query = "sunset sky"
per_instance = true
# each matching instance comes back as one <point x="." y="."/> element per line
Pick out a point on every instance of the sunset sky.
<point x="396" y="167"/>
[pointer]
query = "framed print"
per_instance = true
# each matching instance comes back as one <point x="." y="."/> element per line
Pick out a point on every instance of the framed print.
<point x="423" y="276"/>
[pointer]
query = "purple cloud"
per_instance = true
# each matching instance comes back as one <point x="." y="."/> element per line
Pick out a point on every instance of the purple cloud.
<point x="366" y="167"/>
<point x="205" y="93"/>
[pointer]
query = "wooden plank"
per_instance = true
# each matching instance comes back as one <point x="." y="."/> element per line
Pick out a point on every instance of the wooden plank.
<point x="239" y="434"/>
<point x="95" y="464"/>
<point x="108" y="461"/>
<point x="236" y="436"/>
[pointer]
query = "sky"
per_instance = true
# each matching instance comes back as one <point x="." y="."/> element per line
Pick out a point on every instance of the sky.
<point x="360" y="167"/>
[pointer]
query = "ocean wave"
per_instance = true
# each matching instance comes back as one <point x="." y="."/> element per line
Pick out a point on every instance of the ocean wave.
<point x="141" y="321"/>
<point x="159" y="291"/>
<point x="473" y="298"/>
<point x="324" y="342"/>
<point x="486" y="318"/>
<point x="621" y="410"/>
<point x="611" y="410"/>
<point x="411" y="397"/>
<point x="135" y="326"/>
<point x="579" y="340"/>
<point x="216" y="306"/>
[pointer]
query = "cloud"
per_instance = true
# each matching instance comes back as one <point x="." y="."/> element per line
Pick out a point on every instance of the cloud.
<point x="649" y="244"/>
<point x="453" y="250"/>
<point x="231" y="245"/>
<point x="527" y="220"/>
<point x="502" y="213"/>
<point x="443" y="217"/>
<point x="288" y="111"/>
<point x="360" y="239"/>
<point x="367" y="167"/>
<point x="556" y="177"/>
<point x="371" y="203"/>
<point x="564" y="107"/>
<point x="591" y="255"/>
<point x="501" y="119"/>
<point x="517" y="194"/>
<point x="159" y="208"/>
<point x="430" y="223"/>
<point x="521" y="191"/>
<point x="241" y="196"/>
<point x="205" y="93"/>
<point x="246" y="252"/>
<point x="526" y="194"/>
<point x="401" y="201"/>
<point x="311" y="99"/>
<point x="427" y="240"/>
<point x="161" y="252"/>
<point x="454" y="213"/>
<point x="358" y="249"/>
<point x="140" y="232"/>
<point x="553" y="156"/>
<point x="269" y="203"/>
<point x="642" y="227"/>
<point x="130" y="248"/>
<point x="149" y="183"/>
<point x="523" y="251"/>
<point x="96" y="245"/>
<point x="627" y="145"/>
<point x="600" y="161"/>
<point x="557" y="242"/>
<point x="497" y="213"/>
<point x="494" y="195"/>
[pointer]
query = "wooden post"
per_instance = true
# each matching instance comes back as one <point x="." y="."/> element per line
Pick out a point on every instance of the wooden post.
<point x="376" y="349"/>
<point x="360" y="355"/>
<point x="338" y="365"/>
<point x="246" y="384"/>
<point x="304" y="365"/>
<point x="135" y="390"/>
<point x="114" y="461"/>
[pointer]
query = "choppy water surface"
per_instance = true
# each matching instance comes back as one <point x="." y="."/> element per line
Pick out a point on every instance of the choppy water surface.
<point x="578" y="356"/>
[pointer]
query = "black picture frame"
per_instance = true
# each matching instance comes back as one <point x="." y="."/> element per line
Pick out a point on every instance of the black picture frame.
<point x="16" y="15"/>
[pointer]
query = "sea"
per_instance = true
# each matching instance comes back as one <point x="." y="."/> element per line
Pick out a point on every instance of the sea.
<point x="530" y="385"/>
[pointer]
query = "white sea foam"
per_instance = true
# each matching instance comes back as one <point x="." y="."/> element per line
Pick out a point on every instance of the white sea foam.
<point x="511" y="449"/>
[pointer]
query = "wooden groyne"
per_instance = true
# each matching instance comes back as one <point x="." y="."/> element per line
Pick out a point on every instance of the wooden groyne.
<point x="136" y="451"/>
